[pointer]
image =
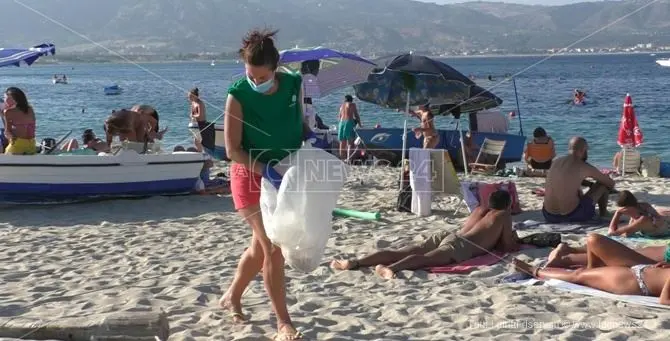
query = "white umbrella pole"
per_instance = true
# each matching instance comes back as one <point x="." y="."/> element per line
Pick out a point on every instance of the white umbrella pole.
<point x="404" y="142"/>
<point x="623" y="162"/>
<point x="465" y="159"/>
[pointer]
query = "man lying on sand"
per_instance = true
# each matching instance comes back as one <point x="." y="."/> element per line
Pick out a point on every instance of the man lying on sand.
<point x="563" y="198"/>
<point x="484" y="231"/>
<point x="603" y="251"/>
<point x="631" y="274"/>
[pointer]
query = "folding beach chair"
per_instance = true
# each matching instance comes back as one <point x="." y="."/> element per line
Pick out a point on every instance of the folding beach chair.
<point x="490" y="149"/>
<point x="630" y="161"/>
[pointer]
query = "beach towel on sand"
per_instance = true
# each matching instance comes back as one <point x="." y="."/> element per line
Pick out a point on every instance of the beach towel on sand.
<point x="472" y="264"/>
<point x="563" y="228"/>
<point x="647" y="301"/>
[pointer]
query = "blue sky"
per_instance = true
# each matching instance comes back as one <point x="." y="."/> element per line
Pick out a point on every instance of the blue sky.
<point x="527" y="2"/>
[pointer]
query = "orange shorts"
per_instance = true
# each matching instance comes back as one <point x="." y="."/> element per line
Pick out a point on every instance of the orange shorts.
<point x="245" y="186"/>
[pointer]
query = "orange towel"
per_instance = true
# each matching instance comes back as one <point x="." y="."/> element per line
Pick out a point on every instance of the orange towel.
<point x="540" y="152"/>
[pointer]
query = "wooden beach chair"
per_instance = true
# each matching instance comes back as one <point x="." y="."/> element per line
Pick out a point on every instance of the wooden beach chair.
<point x="489" y="151"/>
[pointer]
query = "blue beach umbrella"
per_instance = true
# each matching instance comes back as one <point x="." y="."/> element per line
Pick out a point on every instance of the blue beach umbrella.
<point x="332" y="69"/>
<point x="18" y="57"/>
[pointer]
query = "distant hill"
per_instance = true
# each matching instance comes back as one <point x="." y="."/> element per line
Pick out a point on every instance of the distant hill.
<point x="370" y="26"/>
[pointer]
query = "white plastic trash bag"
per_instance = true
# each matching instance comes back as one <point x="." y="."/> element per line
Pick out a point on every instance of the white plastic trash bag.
<point x="298" y="216"/>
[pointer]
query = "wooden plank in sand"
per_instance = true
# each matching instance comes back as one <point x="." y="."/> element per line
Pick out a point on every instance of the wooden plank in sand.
<point x="129" y="326"/>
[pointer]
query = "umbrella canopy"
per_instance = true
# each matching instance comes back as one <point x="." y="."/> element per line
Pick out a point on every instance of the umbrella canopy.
<point x="16" y="57"/>
<point x="429" y="81"/>
<point x="422" y="65"/>
<point x="330" y="70"/>
<point x="629" y="130"/>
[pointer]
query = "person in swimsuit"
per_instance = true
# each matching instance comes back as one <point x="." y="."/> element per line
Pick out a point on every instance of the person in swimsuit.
<point x="602" y="250"/>
<point x="345" y="131"/>
<point x="130" y="126"/>
<point x="540" y="151"/>
<point x="91" y="144"/>
<point x="144" y="109"/>
<point x="198" y="114"/>
<point x="19" y="121"/>
<point x="638" y="279"/>
<point x="430" y="136"/>
<point x="484" y="231"/>
<point x="644" y="218"/>
<point x="264" y="123"/>
<point x="564" y="201"/>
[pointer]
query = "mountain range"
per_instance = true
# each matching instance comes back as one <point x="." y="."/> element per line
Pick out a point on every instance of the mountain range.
<point x="369" y="26"/>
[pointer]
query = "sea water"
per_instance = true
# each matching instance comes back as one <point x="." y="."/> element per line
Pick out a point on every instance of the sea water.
<point x="544" y="90"/>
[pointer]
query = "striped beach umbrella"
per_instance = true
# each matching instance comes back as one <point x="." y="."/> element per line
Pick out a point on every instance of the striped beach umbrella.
<point x="18" y="57"/>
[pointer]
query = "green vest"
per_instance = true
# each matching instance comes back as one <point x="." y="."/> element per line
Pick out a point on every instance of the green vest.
<point x="273" y="124"/>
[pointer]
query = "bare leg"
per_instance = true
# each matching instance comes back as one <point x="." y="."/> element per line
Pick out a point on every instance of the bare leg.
<point x="381" y="257"/>
<point x="564" y="256"/>
<point x="71" y="145"/>
<point x="249" y="266"/>
<point x="198" y="145"/>
<point x="614" y="279"/>
<point x="600" y="194"/>
<point x="343" y="147"/>
<point x="415" y="262"/>
<point x="273" y="275"/>
<point x="603" y="251"/>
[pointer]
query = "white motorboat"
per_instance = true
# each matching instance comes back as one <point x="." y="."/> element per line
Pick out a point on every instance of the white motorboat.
<point x="69" y="177"/>
<point x="59" y="81"/>
<point x="663" y="62"/>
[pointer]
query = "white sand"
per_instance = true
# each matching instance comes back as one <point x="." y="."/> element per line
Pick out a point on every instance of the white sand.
<point x="178" y="254"/>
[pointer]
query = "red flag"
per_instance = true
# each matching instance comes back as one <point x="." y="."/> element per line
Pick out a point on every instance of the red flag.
<point x="629" y="130"/>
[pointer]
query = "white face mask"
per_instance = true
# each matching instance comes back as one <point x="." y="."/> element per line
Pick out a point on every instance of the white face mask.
<point x="263" y="87"/>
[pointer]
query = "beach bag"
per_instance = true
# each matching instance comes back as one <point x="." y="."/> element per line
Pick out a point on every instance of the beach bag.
<point x="298" y="216"/>
<point x="485" y="190"/>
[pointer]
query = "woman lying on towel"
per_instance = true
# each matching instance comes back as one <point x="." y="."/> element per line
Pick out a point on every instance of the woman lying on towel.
<point x="624" y="272"/>
<point x="644" y="218"/>
<point x="603" y="251"/>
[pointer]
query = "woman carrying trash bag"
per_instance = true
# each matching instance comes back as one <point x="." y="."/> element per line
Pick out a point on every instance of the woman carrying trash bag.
<point x="264" y="124"/>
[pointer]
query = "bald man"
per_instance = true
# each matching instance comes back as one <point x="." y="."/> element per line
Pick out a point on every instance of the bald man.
<point x="564" y="201"/>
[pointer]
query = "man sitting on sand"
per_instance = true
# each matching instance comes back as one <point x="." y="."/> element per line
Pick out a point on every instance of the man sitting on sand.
<point x="484" y="231"/>
<point x="564" y="201"/>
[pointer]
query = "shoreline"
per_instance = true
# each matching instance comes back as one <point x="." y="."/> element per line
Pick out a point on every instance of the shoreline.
<point x="234" y="60"/>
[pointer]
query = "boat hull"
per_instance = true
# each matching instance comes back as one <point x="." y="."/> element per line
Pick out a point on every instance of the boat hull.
<point x="663" y="62"/>
<point x="386" y="143"/>
<point x="64" y="178"/>
<point x="216" y="147"/>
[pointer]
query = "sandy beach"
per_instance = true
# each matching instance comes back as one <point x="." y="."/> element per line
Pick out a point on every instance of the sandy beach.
<point x="178" y="254"/>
